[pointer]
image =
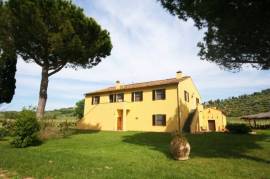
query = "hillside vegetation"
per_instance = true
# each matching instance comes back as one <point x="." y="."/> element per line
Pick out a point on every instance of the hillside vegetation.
<point x="62" y="113"/>
<point x="75" y="112"/>
<point x="243" y="105"/>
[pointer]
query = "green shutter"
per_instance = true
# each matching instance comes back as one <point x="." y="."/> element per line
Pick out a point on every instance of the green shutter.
<point x="153" y="95"/>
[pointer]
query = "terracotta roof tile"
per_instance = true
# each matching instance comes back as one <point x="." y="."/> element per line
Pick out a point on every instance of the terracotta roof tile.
<point x="140" y="85"/>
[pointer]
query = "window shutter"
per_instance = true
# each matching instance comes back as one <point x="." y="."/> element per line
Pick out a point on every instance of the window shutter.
<point x="92" y="99"/>
<point x="111" y="98"/>
<point x="141" y="96"/>
<point x="153" y="120"/>
<point x="164" y="93"/>
<point x="132" y="96"/>
<point x="164" y="121"/>
<point x="153" y="95"/>
<point x="186" y="94"/>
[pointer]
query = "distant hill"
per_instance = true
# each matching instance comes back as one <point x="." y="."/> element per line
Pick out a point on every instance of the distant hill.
<point x="244" y="104"/>
<point x="62" y="113"/>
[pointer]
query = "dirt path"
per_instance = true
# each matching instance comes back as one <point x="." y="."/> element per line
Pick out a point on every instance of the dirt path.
<point x="5" y="174"/>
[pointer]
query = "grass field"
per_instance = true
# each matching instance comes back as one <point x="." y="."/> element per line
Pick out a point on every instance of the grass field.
<point x="140" y="155"/>
<point x="236" y="120"/>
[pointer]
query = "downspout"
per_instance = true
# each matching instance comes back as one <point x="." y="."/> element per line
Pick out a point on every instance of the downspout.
<point x="178" y="111"/>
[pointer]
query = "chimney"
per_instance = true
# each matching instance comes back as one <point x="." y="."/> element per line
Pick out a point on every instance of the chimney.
<point x="117" y="84"/>
<point x="179" y="75"/>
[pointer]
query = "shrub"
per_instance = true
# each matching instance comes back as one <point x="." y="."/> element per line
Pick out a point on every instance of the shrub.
<point x="8" y="125"/>
<point x="65" y="128"/>
<point x="238" y="128"/>
<point x="79" y="109"/>
<point x="49" y="132"/>
<point x="26" y="129"/>
<point x="49" y="116"/>
<point x="10" y="115"/>
<point x="3" y="133"/>
<point x="51" y="129"/>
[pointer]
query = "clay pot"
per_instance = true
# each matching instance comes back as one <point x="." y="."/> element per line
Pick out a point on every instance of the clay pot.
<point x="180" y="148"/>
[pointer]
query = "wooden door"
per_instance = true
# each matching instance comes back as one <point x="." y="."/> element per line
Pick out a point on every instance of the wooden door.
<point x="211" y="125"/>
<point x="119" y="123"/>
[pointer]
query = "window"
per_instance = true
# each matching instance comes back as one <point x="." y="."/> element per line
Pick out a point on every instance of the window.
<point x="95" y="99"/>
<point x="197" y="101"/>
<point x="159" y="94"/>
<point x="159" y="120"/>
<point x="119" y="97"/>
<point x="137" y="96"/>
<point x="112" y="98"/>
<point x="186" y="96"/>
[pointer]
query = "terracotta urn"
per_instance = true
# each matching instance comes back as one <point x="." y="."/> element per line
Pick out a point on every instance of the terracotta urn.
<point x="180" y="148"/>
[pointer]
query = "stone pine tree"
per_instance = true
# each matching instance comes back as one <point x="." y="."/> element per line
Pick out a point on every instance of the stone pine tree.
<point x="55" y="35"/>
<point x="237" y="31"/>
<point x="8" y="62"/>
<point x="8" y="58"/>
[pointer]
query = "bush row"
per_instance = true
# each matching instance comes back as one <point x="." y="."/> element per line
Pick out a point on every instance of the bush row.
<point x="238" y="128"/>
<point x="27" y="130"/>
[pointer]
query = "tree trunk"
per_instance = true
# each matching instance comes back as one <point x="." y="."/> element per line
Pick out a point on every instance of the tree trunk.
<point x="43" y="93"/>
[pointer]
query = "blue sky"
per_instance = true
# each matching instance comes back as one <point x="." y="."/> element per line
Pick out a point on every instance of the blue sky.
<point x="148" y="44"/>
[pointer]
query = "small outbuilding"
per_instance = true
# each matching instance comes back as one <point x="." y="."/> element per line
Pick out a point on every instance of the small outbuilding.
<point x="213" y="120"/>
<point x="260" y="119"/>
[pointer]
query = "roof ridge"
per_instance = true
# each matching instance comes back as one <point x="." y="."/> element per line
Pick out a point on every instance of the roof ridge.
<point x="124" y="86"/>
<point x="149" y="81"/>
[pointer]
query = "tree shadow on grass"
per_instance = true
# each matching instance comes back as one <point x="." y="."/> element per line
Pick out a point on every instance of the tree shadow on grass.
<point x="3" y="139"/>
<point x="208" y="145"/>
<point x="153" y="140"/>
<point x="224" y="145"/>
<point x="82" y="128"/>
<point x="84" y="131"/>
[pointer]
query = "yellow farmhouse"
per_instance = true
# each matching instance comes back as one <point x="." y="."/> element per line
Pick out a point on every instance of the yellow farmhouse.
<point x="161" y="106"/>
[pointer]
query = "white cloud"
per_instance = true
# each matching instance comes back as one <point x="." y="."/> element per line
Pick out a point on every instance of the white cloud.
<point x="148" y="44"/>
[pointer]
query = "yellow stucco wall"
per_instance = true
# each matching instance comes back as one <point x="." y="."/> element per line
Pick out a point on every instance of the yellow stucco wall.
<point x="137" y="116"/>
<point x="187" y="107"/>
<point x="213" y="114"/>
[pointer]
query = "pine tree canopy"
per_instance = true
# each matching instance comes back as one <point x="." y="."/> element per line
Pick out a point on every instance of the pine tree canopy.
<point x="237" y="31"/>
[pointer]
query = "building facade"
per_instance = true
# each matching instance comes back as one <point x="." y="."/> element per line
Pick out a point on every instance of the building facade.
<point x="162" y="106"/>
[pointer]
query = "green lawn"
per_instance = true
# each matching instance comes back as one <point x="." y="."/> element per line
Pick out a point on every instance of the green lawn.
<point x="141" y="155"/>
<point x="236" y="120"/>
